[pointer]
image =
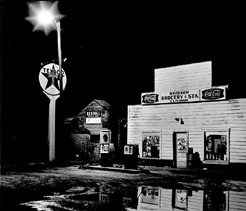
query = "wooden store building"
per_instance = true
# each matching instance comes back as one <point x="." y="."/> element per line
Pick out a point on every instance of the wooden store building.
<point x="187" y="113"/>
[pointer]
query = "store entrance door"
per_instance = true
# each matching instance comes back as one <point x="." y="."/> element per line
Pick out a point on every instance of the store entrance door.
<point x="180" y="149"/>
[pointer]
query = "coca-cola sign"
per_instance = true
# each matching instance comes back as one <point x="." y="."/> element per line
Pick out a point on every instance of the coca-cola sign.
<point x="149" y="98"/>
<point x="213" y="94"/>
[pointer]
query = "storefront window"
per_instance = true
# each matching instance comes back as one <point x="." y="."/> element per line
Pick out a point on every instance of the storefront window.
<point x="216" y="146"/>
<point x="151" y="146"/>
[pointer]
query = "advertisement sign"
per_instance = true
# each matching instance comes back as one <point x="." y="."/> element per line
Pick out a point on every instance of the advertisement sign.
<point x="93" y="120"/>
<point x="181" y="96"/>
<point x="105" y="136"/>
<point x="171" y="97"/>
<point x="104" y="148"/>
<point x="182" y="142"/>
<point x="214" y="93"/>
<point x="93" y="114"/>
<point x="52" y="80"/>
<point x="128" y="149"/>
<point x="184" y="96"/>
<point x="149" y="98"/>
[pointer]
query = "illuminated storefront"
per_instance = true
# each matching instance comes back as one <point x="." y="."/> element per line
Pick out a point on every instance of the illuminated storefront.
<point x="184" y="112"/>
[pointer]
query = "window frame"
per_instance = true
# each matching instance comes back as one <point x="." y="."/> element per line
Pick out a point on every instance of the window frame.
<point x="151" y="133"/>
<point x="209" y="132"/>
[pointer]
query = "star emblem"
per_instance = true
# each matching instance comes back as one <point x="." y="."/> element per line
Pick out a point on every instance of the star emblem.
<point x="52" y="78"/>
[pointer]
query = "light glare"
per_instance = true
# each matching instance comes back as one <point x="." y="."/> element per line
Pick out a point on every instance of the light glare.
<point x="43" y="15"/>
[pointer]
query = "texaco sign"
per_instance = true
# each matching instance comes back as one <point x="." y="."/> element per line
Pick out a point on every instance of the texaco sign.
<point x="52" y="80"/>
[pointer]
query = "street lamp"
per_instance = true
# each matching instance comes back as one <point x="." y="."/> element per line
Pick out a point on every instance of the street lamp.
<point x="45" y="16"/>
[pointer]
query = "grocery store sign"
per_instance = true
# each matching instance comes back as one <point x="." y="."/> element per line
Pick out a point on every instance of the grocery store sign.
<point x="183" y="96"/>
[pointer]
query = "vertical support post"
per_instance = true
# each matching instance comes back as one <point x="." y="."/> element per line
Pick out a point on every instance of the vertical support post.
<point x="51" y="127"/>
<point x="58" y="30"/>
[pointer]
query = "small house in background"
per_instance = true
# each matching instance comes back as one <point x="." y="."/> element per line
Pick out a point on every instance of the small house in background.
<point x="89" y="128"/>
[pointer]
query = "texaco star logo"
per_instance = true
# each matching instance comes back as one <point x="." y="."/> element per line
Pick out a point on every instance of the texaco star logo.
<point x="52" y="80"/>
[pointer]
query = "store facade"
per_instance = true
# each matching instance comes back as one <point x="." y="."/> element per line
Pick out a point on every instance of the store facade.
<point x="186" y="113"/>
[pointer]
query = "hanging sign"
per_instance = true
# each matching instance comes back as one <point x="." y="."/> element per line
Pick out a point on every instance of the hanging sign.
<point x="52" y="80"/>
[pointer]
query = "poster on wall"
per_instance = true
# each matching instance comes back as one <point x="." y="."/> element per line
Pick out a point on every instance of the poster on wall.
<point x="104" y="148"/>
<point x="128" y="150"/>
<point x="182" y="142"/>
<point x="105" y="136"/>
<point x="151" y="145"/>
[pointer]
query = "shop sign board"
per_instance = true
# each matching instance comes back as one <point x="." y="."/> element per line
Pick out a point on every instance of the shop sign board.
<point x="52" y="79"/>
<point x="128" y="150"/>
<point x="104" y="148"/>
<point x="171" y="97"/>
<point x="96" y="120"/>
<point x="214" y="93"/>
<point x="93" y="114"/>
<point x="150" y="98"/>
<point x="182" y="96"/>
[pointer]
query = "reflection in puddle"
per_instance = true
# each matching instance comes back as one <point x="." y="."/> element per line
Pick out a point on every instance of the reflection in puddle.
<point x="141" y="198"/>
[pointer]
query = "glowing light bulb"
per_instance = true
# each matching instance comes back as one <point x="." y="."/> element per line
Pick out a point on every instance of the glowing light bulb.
<point x="43" y="15"/>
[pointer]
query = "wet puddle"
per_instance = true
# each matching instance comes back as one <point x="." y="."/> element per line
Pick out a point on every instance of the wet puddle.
<point x="143" y="197"/>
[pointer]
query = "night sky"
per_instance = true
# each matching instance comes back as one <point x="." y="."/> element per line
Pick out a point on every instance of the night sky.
<point x="111" y="52"/>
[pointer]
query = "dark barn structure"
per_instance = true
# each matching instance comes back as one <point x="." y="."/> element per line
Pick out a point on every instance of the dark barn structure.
<point x="88" y="129"/>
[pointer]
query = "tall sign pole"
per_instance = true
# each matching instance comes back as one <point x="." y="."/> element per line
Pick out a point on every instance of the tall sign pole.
<point x="45" y="16"/>
<point x="52" y="125"/>
<point x="52" y="81"/>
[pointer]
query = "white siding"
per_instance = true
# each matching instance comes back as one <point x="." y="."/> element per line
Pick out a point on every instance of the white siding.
<point x="229" y="115"/>
<point x="183" y="77"/>
<point x="195" y="202"/>
<point x="237" y="201"/>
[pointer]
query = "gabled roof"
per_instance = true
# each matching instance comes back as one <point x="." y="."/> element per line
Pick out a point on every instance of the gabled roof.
<point x="101" y="103"/>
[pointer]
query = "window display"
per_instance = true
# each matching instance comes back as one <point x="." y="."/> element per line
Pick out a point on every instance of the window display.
<point x="216" y="146"/>
<point x="151" y="145"/>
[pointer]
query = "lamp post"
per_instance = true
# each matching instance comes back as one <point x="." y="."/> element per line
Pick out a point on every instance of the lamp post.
<point x="45" y="16"/>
